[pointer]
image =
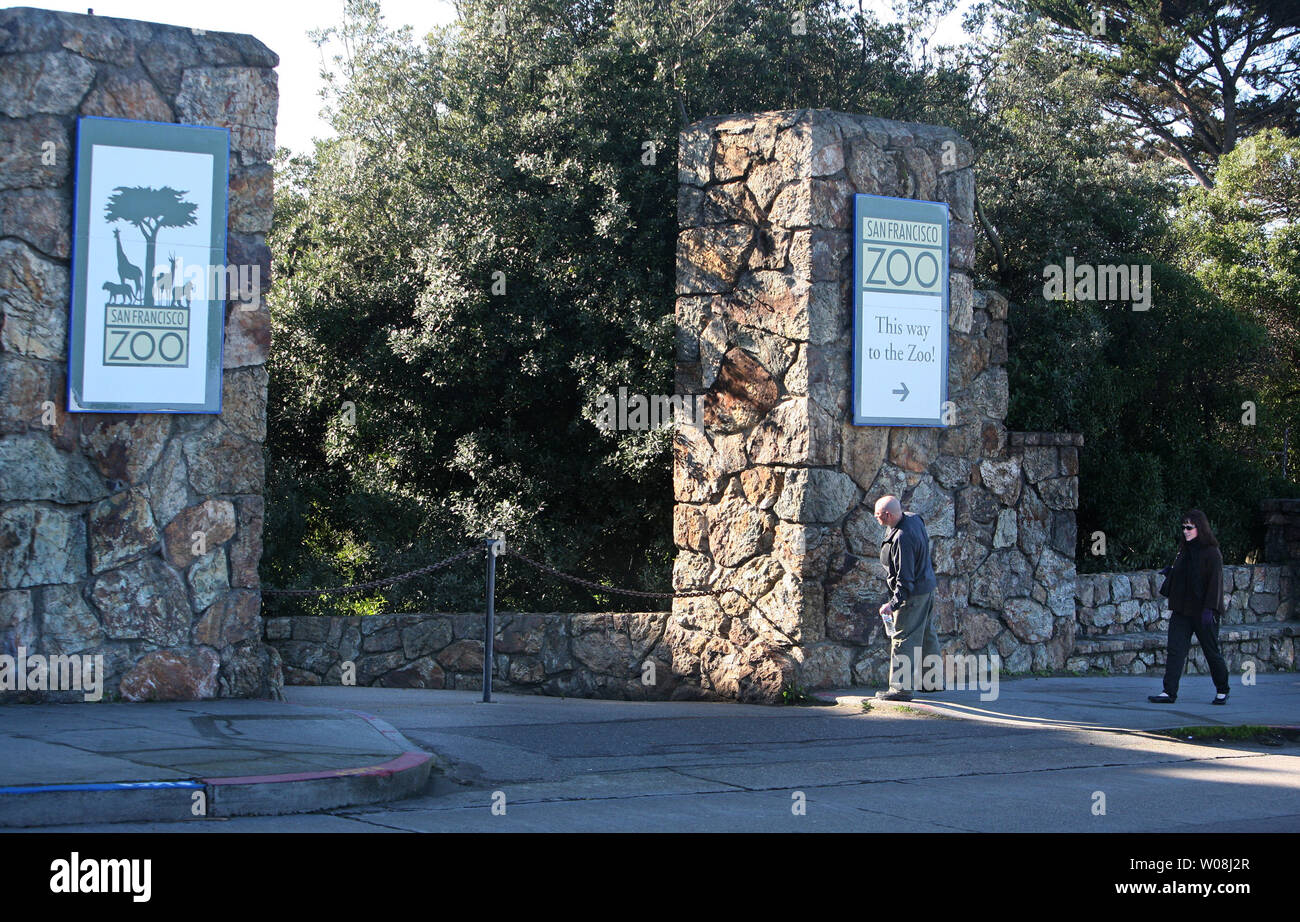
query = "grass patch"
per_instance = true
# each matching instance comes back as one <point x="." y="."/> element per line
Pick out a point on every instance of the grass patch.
<point x="922" y="712"/>
<point x="1254" y="733"/>
<point x="798" y="696"/>
<point x="908" y="709"/>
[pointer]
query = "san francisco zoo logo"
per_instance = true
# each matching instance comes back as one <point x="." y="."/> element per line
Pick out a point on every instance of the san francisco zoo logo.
<point x="147" y="313"/>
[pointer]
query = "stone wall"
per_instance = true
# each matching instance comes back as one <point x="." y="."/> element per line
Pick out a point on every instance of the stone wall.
<point x="581" y="655"/>
<point x="1123" y="621"/>
<point x="1120" y="629"/>
<point x="775" y="493"/>
<point x="97" y="512"/>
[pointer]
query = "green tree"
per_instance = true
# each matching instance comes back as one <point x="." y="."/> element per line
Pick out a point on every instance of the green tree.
<point x="487" y="249"/>
<point x="1241" y="239"/>
<point x="150" y="210"/>
<point x="1190" y="77"/>
<point x="1155" y="393"/>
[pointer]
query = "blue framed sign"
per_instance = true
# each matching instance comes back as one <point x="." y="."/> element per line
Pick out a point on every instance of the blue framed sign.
<point x="900" y="311"/>
<point x="148" y="268"/>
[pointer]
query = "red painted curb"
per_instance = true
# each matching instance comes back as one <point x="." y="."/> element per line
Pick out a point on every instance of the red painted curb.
<point x="403" y="762"/>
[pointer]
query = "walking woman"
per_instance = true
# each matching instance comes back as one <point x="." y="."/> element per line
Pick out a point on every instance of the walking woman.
<point x="1195" y="591"/>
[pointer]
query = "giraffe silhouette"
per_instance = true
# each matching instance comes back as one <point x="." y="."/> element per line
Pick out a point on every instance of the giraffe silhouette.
<point x="125" y="269"/>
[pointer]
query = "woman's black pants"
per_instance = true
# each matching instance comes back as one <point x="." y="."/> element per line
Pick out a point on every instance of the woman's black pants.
<point x="1181" y="629"/>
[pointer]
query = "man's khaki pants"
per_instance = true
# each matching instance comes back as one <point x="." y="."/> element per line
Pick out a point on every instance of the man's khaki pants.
<point x="913" y="639"/>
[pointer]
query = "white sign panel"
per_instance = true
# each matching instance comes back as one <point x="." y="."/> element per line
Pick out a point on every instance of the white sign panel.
<point x="900" y="311"/>
<point x="148" y="268"/>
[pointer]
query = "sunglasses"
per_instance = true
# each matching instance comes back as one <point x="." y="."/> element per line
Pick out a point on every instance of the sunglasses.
<point x="1189" y="528"/>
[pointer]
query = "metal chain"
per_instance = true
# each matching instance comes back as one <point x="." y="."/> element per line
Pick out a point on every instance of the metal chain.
<point x="380" y="583"/>
<point x="478" y="549"/>
<point x="599" y="587"/>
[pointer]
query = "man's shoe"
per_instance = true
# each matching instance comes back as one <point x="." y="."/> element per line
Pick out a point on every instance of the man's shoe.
<point x="894" y="695"/>
<point x="1161" y="699"/>
<point x="1220" y="699"/>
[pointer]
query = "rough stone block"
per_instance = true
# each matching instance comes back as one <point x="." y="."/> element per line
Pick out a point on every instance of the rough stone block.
<point x="120" y="528"/>
<point x="51" y="82"/>
<point x="144" y="600"/>
<point x="197" y="531"/>
<point x="31" y="468"/>
<point x="222" y="461"/>
<point x="40" y="545"/>
<point x="242" y="99"/>
<point x="67" y="623"/>
<point x="960" y="302"/>
<point x="816" y="495"/>
<point x="173" y="675"/>
<point x="797" y="432"/>
<point x="33" y="300"/>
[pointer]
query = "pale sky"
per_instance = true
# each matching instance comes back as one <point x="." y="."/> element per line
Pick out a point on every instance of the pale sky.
<point x="282" y="25"/>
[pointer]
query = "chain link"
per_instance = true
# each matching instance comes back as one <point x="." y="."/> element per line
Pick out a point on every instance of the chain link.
<point x="591" y="585"/>
<point x="600" y="587"/>
<point x="379" y="583"/>
<point x="636" y="593"/>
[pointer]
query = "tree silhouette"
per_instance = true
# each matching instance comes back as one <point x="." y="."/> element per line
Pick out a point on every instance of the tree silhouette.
<point x="150" y="210"/>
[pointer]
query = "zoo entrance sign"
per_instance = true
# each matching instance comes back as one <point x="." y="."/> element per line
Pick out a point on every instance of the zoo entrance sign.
<point x="900" y="311"/>
<point x="148" y="267"/>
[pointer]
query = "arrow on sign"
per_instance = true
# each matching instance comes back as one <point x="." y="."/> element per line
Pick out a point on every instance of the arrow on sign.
<point x="904" y="391"/>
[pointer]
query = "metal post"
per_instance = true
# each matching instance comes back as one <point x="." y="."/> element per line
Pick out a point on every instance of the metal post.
<point x="494" y="547"/>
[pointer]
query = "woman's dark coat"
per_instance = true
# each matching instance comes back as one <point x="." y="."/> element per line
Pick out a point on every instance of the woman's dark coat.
<point x="1196" y="580"/>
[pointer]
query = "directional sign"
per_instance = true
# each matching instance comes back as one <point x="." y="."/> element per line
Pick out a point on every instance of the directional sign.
<point x="900" y="311"/>
<point x="148" y="268"/>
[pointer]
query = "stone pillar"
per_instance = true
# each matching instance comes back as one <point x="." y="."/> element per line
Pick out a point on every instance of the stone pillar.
<point x="1281" y="530"/>
<point x="97" y="511"/>
<point x="775" y="493"/>
<point x="1282" y="546"/>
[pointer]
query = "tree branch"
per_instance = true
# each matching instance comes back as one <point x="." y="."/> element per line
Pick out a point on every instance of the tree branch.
<point x="995" y="240"/>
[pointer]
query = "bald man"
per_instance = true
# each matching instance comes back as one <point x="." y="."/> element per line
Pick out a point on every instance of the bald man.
<point x="905" y="555"/>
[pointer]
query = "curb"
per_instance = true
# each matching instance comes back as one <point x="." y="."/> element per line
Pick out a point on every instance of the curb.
<point x="950" y="710"/>
<point x="247" y="795"/>
<point x="130" y="801"/>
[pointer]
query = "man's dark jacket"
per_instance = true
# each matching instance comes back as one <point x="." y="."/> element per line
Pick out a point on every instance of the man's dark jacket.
<point x="905" y="555"/>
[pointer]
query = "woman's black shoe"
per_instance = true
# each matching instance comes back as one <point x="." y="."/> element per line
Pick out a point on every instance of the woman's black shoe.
<point x="1218" y="700"/>
<point x="1161" y="699"/>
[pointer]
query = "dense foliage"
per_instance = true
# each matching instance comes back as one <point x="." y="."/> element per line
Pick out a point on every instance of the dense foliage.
<point x="1160" y="395"/>
<point x="487" y="249"/>
<point x="530" y="150"/>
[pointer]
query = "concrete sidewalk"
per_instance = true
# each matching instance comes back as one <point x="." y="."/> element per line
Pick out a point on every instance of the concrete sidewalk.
<point x="581" y="765"/>
<point x="165" y="762"/>
<point x="1109" y="703"/>
<point x="1028" y="761"/>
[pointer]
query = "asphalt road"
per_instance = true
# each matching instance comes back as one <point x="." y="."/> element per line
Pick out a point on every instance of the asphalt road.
<point x="526" y="763"/>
